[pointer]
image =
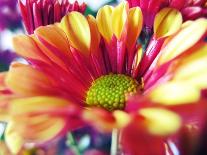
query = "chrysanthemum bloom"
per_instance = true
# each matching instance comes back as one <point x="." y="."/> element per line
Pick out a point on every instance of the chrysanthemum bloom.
<point x="83" y="70"/>
<point x="37" y="13"/>
<point x="190" y="9"/>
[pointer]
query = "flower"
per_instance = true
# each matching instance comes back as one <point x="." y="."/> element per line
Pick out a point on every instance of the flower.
<point x="10" y="17"/>
<point x="192" y="138"/>
<point x="38" y="13"/>
<point x="83" y="70"/>
<point x="190" y="9"/>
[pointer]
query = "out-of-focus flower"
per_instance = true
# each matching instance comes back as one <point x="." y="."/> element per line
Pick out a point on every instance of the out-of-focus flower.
<point x="190" y="9"/>
<point x="6" y="57"/>
<point x="10" y="17"/>
<point x="136" y="139"/>
<point x="191" y="139"/>
<point x="84" y="70"/>
<point x="40" y="13"/>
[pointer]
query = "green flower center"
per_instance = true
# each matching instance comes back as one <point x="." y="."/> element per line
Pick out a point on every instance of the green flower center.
<point x="110" y="91"/>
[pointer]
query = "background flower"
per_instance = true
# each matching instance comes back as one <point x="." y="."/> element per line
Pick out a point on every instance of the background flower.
<point x="10" y="17"/>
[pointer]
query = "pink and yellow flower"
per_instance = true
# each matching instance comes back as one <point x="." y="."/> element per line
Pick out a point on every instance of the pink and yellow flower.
<point x="190" y="9"/>
<point x="84" y="70"/>
<point x="40" y="13"/>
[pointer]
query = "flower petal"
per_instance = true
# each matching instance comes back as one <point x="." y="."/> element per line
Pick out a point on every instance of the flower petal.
<point x="34" y="104"/>
<point x="135" y="139"/>
<point x="43" y="117"/>
<point x="119" y="18"/>
<point x="167" y="22"/>
<point x="38" y="129"/>
<point x="160" y="121"/>
<point x="175" y="93"/>
<point x="27" y="47"/>
<point x="122" y="118"/>
<point x="104" y="120"/>
<point x="104" y="21"/>
<point x="54" y="36"/>
<point x="135" y="21"/>
<point x="185" y="39"/>
<point x="77" y="29"/>
<point x="13" y="140"/>
<point x="25" y="80"/>
<point x="95" y="35"/>
<point x="192" y="68"/>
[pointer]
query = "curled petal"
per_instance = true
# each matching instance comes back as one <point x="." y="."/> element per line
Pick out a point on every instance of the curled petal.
<point x="167" y="22"/>
<point x="104" y="18"/>
<point x="135" y="21"/>
<point x="77" y="29"/>
<point x="119" y="18"/>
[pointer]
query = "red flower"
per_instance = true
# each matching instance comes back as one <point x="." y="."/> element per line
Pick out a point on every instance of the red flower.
<point x="84" y="70"/>
<point x="44" y="12"/>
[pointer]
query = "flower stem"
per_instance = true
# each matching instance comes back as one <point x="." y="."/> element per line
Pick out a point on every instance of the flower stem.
<point x="73" y="144"/>
<point x="115" y="147"/>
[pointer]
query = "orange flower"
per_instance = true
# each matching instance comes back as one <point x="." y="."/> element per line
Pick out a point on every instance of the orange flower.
<point x="83" y="70"/>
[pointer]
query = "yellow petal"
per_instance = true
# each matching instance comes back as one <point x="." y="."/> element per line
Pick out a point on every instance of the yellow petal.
<point x="138" y="57"/>
<point x="185" y="39"/>
<point x="167" y="22"/>
<point x="119" y="18"/>
<point x="122" y="118"/>
<point x="174" y="93"/>
<point x="13" y="140"/>
<point x="135" y="21"/>
<point x="25" y="80"/>
<point x="104" y="21"/>
<point x="34" y="104"/>
<point x="160" y="121"/>
<point x="193" y="68"/>
<point x="77" y="29"/>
